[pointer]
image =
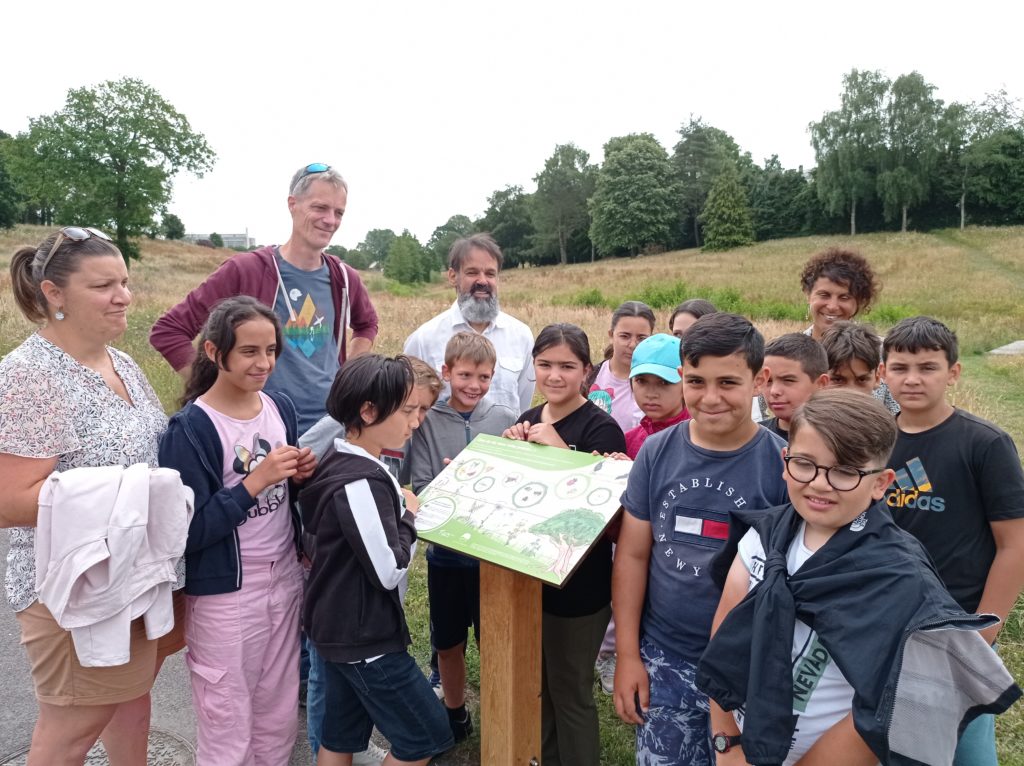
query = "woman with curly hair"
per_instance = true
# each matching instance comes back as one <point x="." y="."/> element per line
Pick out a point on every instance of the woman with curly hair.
<point x="839" y="284"/>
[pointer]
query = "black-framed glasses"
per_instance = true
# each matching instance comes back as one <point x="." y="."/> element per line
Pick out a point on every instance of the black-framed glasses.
<point x="75" y="234"/>
<point x="842" y="478"/>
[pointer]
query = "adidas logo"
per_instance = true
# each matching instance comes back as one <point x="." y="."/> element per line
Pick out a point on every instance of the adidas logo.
<point x="913" y="490"/>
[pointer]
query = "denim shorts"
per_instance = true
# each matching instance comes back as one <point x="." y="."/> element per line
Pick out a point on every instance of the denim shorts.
<point x="392" y="693"/>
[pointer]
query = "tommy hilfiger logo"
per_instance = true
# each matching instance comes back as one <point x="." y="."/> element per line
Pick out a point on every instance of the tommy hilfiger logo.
<point x="913" y="489"/>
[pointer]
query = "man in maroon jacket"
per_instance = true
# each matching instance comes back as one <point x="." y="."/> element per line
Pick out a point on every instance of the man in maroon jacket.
<point x="315" y="295"/>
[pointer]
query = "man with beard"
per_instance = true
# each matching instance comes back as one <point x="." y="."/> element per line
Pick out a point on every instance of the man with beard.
<point x="473" y="266"/>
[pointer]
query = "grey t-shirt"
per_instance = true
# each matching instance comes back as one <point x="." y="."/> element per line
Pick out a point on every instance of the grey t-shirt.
<point x="686" y="493"/>
<point x="309" y="360"/>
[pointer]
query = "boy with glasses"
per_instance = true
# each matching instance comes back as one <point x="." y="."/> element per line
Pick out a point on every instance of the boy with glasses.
<point x="835" y="640"/>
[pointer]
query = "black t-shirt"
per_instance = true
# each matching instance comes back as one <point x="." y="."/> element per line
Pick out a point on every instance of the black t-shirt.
<point x="586" y="429"/>
<point x="951" y="482"/>
<point x="772" y="424"/>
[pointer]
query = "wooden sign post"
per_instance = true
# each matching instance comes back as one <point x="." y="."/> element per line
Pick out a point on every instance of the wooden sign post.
<point x="510" y="669"/>
<point x="530" y="514"/>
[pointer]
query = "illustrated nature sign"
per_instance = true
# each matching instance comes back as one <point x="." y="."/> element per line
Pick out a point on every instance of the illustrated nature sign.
<point x="527" y="507"/>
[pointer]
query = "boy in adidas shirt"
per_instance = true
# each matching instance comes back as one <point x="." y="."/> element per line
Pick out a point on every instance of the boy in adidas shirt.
<point x="683" y="484"/>
<point x="959" y="489"/>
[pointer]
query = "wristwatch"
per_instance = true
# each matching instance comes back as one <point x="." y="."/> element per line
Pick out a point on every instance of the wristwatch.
<point x="723" y="742"/>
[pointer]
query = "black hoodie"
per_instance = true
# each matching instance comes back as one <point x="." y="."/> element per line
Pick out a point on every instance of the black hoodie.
<point x="364" y="534"/>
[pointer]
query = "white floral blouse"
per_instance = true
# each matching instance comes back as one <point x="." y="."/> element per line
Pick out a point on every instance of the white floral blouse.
<point x="51" y="405"/>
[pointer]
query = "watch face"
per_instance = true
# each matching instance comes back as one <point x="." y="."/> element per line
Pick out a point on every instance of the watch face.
<point x="721" y="743"/>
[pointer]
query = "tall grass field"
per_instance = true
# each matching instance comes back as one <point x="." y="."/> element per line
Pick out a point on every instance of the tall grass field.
<point x="972" y="280"/>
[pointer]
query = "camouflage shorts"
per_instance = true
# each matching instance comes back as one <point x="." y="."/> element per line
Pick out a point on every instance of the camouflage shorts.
<point x="677" y="727"/>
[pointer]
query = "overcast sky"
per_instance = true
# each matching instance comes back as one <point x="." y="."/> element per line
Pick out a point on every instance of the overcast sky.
<point x="428" y="107"/>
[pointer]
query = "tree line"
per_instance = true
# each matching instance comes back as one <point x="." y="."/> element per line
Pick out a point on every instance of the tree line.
<point x="890" y="156"/>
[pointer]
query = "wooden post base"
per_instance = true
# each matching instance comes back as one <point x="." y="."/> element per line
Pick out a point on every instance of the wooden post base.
<point x="510" y="669"/>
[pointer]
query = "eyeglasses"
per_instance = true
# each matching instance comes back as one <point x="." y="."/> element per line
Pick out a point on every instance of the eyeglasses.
<point x="75" y="234"/>
<point x="842" y="478"/>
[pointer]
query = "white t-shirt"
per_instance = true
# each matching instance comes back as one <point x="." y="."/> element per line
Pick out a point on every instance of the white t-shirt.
<point x="821" y="695"/>
<point x="514" y="379"/>
<point x="615" y="396"/>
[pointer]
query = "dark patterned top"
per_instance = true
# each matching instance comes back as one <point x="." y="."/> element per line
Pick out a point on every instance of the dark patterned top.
<point x="51" y="405"/>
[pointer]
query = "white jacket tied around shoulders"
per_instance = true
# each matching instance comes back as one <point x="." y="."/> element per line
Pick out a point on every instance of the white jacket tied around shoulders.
<point x="107" y="541"/>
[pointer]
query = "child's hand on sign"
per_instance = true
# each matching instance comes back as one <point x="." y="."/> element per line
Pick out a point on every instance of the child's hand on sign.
<point x="412" y="503"/>
<point x="545" y="433"/>
<point x="517" y="431"/>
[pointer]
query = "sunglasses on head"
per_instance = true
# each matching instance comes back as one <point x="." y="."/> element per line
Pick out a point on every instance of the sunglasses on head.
<point x="75" y="234"/>
<point x="311" y="169"/>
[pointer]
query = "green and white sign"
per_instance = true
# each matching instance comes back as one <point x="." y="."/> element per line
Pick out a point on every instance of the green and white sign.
<point x="526" y="507"/>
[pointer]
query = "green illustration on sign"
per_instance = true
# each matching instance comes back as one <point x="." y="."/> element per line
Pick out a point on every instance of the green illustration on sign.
<point x="530" y="508"/>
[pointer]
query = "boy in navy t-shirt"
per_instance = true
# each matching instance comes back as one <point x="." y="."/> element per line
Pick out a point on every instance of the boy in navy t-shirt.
<point x="685" y="481"/>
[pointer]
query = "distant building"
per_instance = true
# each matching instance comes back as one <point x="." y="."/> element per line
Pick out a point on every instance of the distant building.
<point x="243" y="241"/>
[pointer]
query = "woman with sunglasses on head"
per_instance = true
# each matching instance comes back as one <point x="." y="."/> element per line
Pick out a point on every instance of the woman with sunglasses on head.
<point x="68" y="400"/>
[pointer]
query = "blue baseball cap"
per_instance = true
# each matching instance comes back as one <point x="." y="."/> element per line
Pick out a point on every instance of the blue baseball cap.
<point x="657" y="355"/>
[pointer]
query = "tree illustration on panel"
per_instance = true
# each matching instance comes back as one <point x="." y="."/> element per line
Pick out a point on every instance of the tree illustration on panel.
<point x="569" y="530"/>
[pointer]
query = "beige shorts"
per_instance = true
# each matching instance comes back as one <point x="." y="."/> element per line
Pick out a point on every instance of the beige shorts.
<point x="173" y="642"/>
<point x="60" y="679"/>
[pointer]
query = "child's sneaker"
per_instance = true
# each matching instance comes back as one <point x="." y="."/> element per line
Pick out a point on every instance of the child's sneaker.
<point x="605" y="667"/>
<point x="461" y="723"/>
<point x="435" y="683"/>
<point x="373" y="755"/>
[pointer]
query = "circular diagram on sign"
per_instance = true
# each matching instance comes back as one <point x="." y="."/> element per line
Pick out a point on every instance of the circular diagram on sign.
<point x="529" y="495"/>
<point x="434" y="513"/>
<point x="483" y="484"/>
<point x="470" y="469"/>
<point x="572" y="487"/>
<point x="599" y="496"/>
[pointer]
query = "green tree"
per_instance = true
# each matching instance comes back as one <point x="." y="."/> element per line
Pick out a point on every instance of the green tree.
<point x="509" y="220"/>
<point x="217" y="239"/>
<point x="778" y="201"/>
<point x="726" y="216"/>
<point x="633" y="205"/>
<point x="10" y="200"/>
<point x="444" y="237"/>
<point x="570" y="530"/>
<point x="911" y="145"/>
<point x="107" y="158"/>
<point x="976" y="150"/>
<point x="995" y="171"/>
<point x="35" y="190"/>
<point x="848" y="144"/>
<point x="405" y="260"/>
<point x="377" y="244"/>
<point x="560" y="202"/>
<point x="173" y="228"/>
<point x="701" y="154"/>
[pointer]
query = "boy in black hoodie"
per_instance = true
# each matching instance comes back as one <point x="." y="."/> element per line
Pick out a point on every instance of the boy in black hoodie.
<point x="363" y="522"/>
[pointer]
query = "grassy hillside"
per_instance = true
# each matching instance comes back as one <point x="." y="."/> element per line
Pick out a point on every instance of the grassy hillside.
<point x="973" y="281"/>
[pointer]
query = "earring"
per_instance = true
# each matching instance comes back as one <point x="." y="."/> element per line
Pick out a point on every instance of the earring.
<point x="59" y="315"/>
<point x="807" y="314"/>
